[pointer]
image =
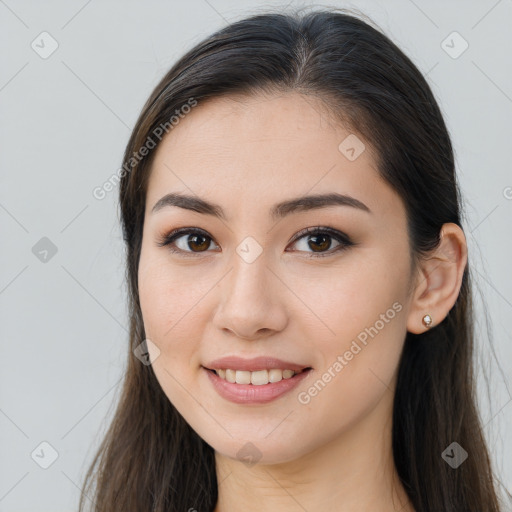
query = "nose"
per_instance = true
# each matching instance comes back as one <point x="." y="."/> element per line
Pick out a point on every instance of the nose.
<point x="251" y="301"/>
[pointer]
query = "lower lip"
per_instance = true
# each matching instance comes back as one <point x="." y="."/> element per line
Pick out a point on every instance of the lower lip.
<point x="251" y="394"/>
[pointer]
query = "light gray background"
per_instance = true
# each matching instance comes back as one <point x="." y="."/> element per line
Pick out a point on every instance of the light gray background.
<point x="65" y="121"/>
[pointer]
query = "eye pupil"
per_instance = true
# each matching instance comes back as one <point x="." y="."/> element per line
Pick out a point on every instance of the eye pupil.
<point x="325" y="244"/>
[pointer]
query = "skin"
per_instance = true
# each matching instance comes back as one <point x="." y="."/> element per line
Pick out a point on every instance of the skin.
<point x="247" y="154"/>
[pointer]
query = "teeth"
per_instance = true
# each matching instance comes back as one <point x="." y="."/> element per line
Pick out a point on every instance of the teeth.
<point x="258" y="378"/>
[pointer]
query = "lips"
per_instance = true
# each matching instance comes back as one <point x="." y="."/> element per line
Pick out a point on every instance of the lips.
<point x="254" y="364"/>
<point x="249" y="394"/>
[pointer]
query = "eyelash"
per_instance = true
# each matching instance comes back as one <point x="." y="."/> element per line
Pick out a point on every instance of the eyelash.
<point x="344" y="241"/>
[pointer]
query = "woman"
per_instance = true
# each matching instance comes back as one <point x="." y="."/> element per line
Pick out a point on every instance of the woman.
<point x="301" y="323"/>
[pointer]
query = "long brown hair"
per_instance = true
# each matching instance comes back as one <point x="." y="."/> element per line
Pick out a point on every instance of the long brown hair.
<point x="150" y="459"/>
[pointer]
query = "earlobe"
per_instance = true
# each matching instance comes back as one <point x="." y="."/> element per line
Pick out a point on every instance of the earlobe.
<point x="439" y="280"/>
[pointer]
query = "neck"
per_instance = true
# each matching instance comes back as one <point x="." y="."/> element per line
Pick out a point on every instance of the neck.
<point x="353" y="473"/>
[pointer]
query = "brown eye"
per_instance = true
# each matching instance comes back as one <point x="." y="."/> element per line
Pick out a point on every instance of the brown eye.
<point x="320" y="240"/>
<point x="323" y="242"/>
<point x="187" y="241"/>
<point x="198" y="241"/>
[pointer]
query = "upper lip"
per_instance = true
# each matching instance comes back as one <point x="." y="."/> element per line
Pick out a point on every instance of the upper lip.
<point x="254" y="364"/>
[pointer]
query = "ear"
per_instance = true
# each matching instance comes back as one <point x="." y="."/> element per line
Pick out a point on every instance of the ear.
<point x="438" y="280"/>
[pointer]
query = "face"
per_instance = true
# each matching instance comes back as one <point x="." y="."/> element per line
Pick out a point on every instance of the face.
<point x="245" y="280"/>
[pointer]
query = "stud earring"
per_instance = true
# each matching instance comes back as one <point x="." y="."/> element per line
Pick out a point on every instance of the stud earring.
<point x="427" y="321"/>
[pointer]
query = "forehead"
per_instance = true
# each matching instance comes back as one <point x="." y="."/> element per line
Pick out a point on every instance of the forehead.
<point x="250" y="149"/>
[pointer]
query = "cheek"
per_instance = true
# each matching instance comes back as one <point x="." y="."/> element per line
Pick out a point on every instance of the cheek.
<point x="171" y="310"/>
<point x="358" y="369"/>
<point x="365" y="310"/>
<point x="170" y="298"/>
<point x="346" y="300"/>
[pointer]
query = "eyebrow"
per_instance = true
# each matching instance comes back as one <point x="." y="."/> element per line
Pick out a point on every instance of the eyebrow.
<point x="278" y="211"/>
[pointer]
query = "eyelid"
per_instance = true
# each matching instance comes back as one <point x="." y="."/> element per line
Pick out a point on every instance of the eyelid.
<point x="170" y="237"/>
<point x="344" y="240"/>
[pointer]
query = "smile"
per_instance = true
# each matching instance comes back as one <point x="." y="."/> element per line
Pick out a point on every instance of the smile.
<point x="257" y="378"/>
<point x="263" y="390"/>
